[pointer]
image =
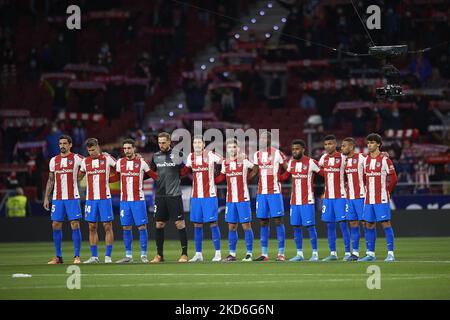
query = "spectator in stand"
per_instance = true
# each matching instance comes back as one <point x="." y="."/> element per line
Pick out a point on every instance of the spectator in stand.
<point x="391" y="119"/>
<point x="227" y="105"/>
<point x="104" y="57"/>
<point x="59" y="94"/>
<point x="78" y="138"/>
<point x="223" y="27"/>
<point x="61" y="53"/>
<point x="53" y="141"/>
<point x="420" y="66"/>
<point x="435" y="80"/>
<point x="32" y="68"/>
<point x="307" y="102"/>
<point x="359" y="124"/>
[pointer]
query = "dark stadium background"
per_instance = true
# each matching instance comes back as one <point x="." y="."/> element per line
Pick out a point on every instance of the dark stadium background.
<point x="140" y="67"/>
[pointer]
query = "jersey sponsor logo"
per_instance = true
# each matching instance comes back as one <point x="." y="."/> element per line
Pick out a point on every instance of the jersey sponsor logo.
<point x="351" y="170"/>
<point x="266" y="166"/>
<point x="96" y="171"/>
<point x="199" y="169"/>
<point x="234" y="174"/>
<point x="300" y="176"/>
<point x="166" y="164"/>
<point x="332" y="170"/>
<point x="130" y="174"/>
<point x="373" y="174"/>
<point x="63" y="171"/>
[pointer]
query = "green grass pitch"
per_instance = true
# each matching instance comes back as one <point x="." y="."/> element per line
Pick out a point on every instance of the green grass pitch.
<point x="422" y="271"/>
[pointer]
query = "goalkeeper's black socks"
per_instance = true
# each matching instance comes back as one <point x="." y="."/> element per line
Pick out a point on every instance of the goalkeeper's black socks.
<point x="159" y="236"/>
<point x="183" y="241"/>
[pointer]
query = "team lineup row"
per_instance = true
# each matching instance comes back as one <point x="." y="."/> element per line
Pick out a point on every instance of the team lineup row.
<point x="357" y="189"/>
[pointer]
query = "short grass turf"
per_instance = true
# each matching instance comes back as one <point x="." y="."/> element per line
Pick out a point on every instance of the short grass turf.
<point x="422" y="271"/>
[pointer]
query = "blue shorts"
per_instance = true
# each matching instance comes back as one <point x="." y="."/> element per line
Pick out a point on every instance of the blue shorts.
<point x="377" y="212"/>
<point x="133" y="211"/>
<point x="334" y="210"/>
<point x="302" y="215"/>
<point x="61" y="208"/>
<point x="204" y="210"/>
<point x="238" y="212"/>
<point x="95" y="209"/>
<point x="354" y="209"/>
<point x="269" y="206"/>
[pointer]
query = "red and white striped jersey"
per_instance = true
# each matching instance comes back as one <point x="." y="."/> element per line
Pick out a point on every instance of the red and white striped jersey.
<point x="354" y="172"/>
<point x="269" y="164"/>
<point x="202" y="167"/>
<point x="66" y="173"/>
<point x="131" y="178"/>
<point x="376" y="171"/>
<point x="97" y="176"/>
<point x="236" y="172"/>
<point x="333" y="168"/>
<point x="302" y="172"/>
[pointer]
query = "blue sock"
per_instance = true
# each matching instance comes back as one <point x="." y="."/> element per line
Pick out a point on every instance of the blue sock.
<point x="298" y="238"/>
<point x="389" y="238"/>
<point x="143" y="239"/>
<point x="215" y="232"/>
<point x="332" y="235"/>
<point x="365" y="239"/>
<point x="281" y="235"/>
<point x="265" y="240"/>
<point x="232" y="240"/>
<point x="108" y="250"/>
<point x="57" y="240"/>
<point x="355" y="235"/>
<point x="94" y="251"/>
<point x="249" y="240"/>
<point x="313" y="237"/>
<point x="76" y="238"/>
<point x="198" y="238"/>
<point x="345" y="235"/>
<point x="371" y="235"/>
<point x="127" y="241"/>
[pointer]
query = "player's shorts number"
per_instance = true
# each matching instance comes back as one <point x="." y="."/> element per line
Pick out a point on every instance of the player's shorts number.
<point x="53" y="208"/>
<point x="346" y="208"/>
<point x="87" y="209"/>
<point x="324" y="208"/>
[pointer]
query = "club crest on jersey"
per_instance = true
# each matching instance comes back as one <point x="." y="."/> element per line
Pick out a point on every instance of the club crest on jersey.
<point x="102" y="162"/>
<point x="304" y="167"/>
<point x="378" y="164"/>
<point x="70" y="161"/>
<point x="338" y="160"/>
<point x="354" y="161"/>
<point x="136" y="165"/>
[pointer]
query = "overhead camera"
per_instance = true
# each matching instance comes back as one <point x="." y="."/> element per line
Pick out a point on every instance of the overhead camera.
<point x="393" y="88"/>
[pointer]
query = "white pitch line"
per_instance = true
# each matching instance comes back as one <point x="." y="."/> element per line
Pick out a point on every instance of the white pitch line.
<point x="227" y="274"/>
<point x="232" y="283"/>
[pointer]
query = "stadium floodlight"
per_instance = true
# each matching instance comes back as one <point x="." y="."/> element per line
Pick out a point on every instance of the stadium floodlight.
<point x="203" y="67"/>
<point x="269" y="5"/>
<point x="262" y="12"/>
<point x="283" y="20"/>
<point x="180" y="106"/>
<point x="245" y="28"/>
<point x="237" y="36"/>
<point x="253" y="20"/>
<point x="171" y="114"/>
<point x="211" y="59"/>
<point x="268" y="35"/>
<point x="276" y="28"/>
